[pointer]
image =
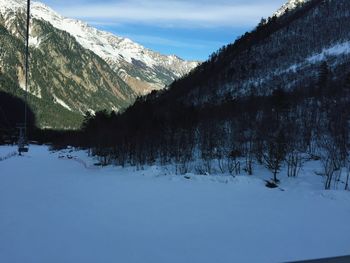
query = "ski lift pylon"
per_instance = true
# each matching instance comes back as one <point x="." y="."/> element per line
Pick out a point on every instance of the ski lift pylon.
<point x="22" y="142"/>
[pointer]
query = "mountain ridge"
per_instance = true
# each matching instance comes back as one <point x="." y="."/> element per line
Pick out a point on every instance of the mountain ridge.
<point x="153" y="70"/>
<point x="283" y="52"/>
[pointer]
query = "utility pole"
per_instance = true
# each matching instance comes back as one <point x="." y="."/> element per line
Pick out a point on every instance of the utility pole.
<point x="27" y="69"/>
<point x="22" y="141"/>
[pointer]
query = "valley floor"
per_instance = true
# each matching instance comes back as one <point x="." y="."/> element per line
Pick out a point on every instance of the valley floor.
<point x="62" y="210"/>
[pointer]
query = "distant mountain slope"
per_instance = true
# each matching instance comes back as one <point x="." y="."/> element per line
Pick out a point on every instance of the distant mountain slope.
<point x="75" y="68"/>
<point x="285" y="52"/>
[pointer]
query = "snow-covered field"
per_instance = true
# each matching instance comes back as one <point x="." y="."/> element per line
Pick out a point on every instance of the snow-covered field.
<point x="68" y="211"/>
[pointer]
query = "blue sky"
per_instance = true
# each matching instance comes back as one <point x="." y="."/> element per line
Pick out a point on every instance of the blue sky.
<point x="190" y="29"/>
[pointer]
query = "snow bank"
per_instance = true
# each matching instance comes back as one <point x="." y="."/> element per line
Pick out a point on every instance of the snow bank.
<point x="55" y="210"/>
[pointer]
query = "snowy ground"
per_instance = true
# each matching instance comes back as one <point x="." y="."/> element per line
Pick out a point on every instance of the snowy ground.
<point x="60" y="210"/>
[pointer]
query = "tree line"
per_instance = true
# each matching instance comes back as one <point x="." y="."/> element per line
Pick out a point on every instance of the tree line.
<point x="285" y="128"/>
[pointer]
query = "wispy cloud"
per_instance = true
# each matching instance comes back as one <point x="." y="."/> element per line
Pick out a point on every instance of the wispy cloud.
<point x="147" y="39"/>
<point x="173" y="13"/>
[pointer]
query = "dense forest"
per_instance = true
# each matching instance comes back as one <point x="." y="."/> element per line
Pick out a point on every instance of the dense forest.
<point x="286" y="128"/>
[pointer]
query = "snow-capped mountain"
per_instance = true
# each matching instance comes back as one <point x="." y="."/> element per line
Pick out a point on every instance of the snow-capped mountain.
<point x="142" y="69"/>
<point x="290" y="5"/>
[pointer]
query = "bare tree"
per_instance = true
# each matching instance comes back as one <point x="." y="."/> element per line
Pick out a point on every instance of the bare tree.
<point x="233" y="163"/>
<point x="294" y="163"/>
<point x="275" y="153"/>
<point x="347" y="179"/>
<point x="330" y="159"/>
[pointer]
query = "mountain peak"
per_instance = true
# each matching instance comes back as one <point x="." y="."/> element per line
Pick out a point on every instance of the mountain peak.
<point x="290" y="5"/>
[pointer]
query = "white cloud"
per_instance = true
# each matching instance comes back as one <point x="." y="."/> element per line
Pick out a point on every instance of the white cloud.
<point x="174" y="13"/>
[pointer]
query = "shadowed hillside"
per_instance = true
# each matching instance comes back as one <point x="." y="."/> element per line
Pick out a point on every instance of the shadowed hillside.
<point x="12" y="114"/>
